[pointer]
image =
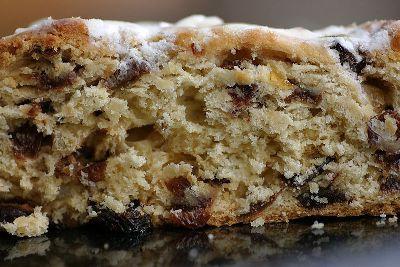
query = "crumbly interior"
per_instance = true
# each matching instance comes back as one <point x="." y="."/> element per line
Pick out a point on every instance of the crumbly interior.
<point x="196" y="137"/>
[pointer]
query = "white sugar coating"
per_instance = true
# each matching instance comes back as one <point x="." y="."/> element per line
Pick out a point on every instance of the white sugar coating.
<point x="199" y="21"/>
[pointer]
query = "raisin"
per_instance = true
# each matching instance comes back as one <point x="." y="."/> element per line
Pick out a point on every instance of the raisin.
<point x="304" y="95"/>
<point x="376" y="139"/>
<point x="345" y="56"/>
<point x="390" y="184"/>
<point x="46" y="52"/>
<point x="11" y="210"/>
<point x="244" y="96"/>
<point x="132" y="220"/>
<point x="46" y="106"/>
<point x="69" y="166"/>
<point x="311" y="201"/>
<point x="217" y="181"/>
<point x="95" y="171"/>
<point x="27" y="141"/>
<point x="236" y="60"/>
<point x="45" y="82"/>
<point x="191" y="216"/>
<point x="317" y="170"/>
<point x="177" y="186"/>
<point x="260" y="206"/>
<point x="390" y="161"/>
<point x="131" y="71"/>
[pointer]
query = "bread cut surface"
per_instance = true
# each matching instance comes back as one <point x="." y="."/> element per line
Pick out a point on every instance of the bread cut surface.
<point x="196" y="123"/>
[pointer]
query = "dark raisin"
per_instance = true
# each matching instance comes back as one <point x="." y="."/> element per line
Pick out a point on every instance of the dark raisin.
<point x="27" y="140"/>
<point x="24" y="102"/>
<point x="236" y="59"/>
<point x="317" y="170"/>
<point x="260" y="206"/>
<point x="133" y="220"/>
<point x="177" y="186"/>
<point x="69" y="166"/>
<point x="97" y="113"/>
<point x="46" y="52"/>
<point x="244" y="96"/>
<point x="191" y="216"/>
<point x="10" y="210"/>
<point x="313" y="201"/>
<point x="130" y="73"/>
<point x="304" y="95"/>
<point x="345" y="56"/>
<point x="95" y="171"/>
<point x="375" y="138"/>
<point x="390" y="161"/>
<point x="217" y="181"/>
<point x="45" y="82"/>
<point x="390" y="184"/>
<point x="46" y="106"/>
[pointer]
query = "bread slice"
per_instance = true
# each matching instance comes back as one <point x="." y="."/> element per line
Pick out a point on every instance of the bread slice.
<point x="196" y="123"/>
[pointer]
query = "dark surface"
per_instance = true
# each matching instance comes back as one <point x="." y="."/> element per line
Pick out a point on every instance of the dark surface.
<point x="350" y="242"/>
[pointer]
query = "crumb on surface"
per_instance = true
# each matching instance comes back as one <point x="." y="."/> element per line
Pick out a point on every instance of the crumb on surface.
<point x="258" y="222"/>
<point x="317" y="225"/>
<point x="35" y="224"/>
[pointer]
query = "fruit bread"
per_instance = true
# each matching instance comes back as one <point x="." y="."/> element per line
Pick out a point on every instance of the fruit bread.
<point x="196" y="123"/>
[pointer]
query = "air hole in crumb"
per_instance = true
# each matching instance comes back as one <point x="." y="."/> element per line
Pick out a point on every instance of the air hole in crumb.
<point x="139" y="133"/>
<point x="194" y="106"/>
<point x="379" y="92"/>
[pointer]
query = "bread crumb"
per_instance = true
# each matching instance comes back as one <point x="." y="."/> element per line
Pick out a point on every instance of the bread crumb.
<point x="393" y="219"/>
<point x="210" y="236"/>
<point x="317" y="225"/>
<point x="258" y="222"/>
<point x="380" y="223"/>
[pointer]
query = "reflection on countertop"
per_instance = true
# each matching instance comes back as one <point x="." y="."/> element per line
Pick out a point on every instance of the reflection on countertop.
<point x="351" y="242"/>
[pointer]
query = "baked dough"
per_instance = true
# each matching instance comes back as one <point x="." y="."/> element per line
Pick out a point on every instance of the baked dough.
<point x="196" y="123"/>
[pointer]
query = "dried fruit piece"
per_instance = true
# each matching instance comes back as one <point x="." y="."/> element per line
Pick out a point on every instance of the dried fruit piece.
<point x="177" y="186"/>
<point x="345" y="56"/>
<point x="191" y="216"/>
<point x="390" y="184"/>
<point x="68" y="166"/>
<point x="45" y="82"/>
<point x="133" y="220"/>
<point x="27" y="141"/>
<point x="46" y="106"/>
<point x="304" y="95"/>
<point x="95" y="171"/>
<point x="129" y="71"/>
<point x="384" y="131"/>
<point x="217" y="181"/>
<point x="300" y="180"/>
<point x="243" y="96"/>
<point x="12" y="209"/>
<point x="237" y="58"/>
<point x="324" y="197"/>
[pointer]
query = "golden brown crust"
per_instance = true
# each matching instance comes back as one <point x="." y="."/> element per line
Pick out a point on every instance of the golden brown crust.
<point x="71" y="31"/>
